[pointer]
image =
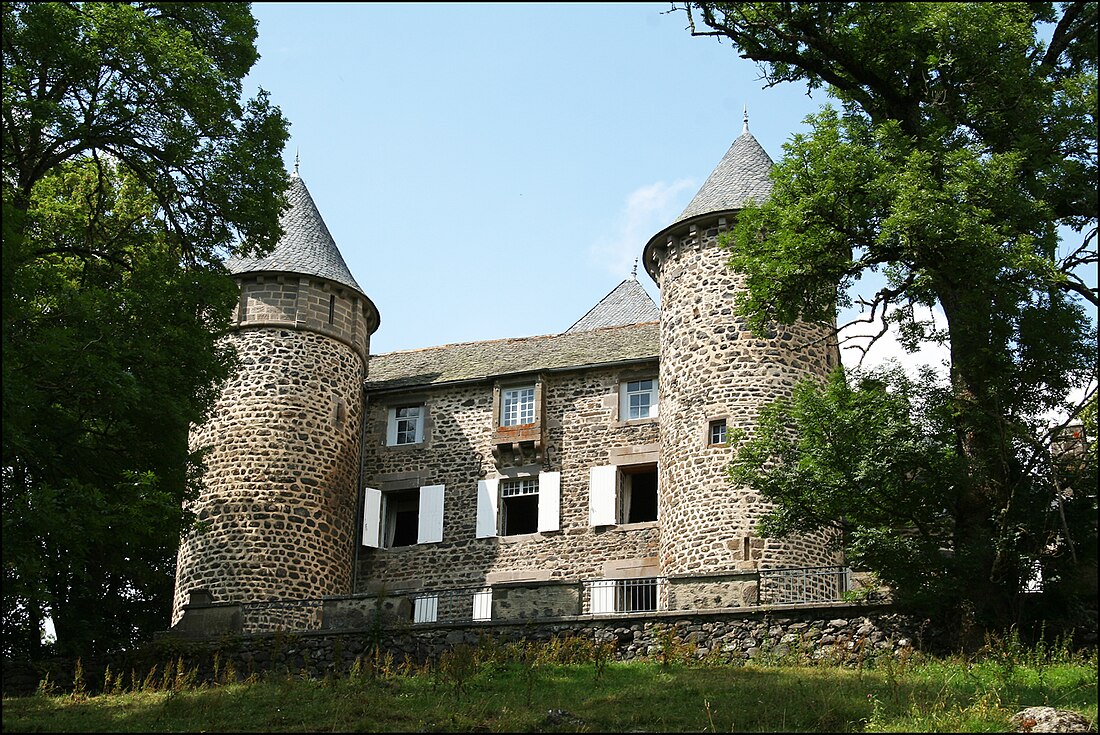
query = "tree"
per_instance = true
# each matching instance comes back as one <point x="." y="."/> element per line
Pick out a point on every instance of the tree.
<point x="130" y="167"/>
<point x="962" y="143"/>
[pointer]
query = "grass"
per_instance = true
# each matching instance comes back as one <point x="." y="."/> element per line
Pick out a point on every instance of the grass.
<point x="524" y="689"/>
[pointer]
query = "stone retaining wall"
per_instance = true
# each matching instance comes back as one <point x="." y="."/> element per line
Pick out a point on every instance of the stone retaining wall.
<point x="841" y="633"/>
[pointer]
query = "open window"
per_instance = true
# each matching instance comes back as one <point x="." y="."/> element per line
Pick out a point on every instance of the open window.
<point x="512" y="506"/>
<point x="397" y="518"/>
<point x="622" y="494"/>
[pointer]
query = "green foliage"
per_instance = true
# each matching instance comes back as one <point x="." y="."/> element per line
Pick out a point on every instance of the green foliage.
<point x="906" y="694"/>
<point x="130" y="167"/>
<point x="963" y="143"/>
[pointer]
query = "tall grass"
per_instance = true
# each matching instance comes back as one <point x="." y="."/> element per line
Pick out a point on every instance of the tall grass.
<point x="571" y="685"/>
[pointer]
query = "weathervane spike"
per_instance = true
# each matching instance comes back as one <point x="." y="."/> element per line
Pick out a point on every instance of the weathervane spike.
<point x="746" y="112"/>
<point x="297" y="160"/>
<point x="634" y="271"/>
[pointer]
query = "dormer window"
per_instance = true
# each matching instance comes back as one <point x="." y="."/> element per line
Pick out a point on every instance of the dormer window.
<point x="517" y="406"/>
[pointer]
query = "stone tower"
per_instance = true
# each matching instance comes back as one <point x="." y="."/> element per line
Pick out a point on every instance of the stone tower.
<point x="715" y="376"/>
<point x="279" y="500"/>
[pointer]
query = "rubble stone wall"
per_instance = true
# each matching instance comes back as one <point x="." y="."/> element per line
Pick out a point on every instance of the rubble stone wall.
<point x="714" y="368"/>
<point x="278" y="507"/>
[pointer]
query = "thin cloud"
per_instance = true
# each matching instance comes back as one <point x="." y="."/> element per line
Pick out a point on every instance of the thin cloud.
<point x="646" y="211"/>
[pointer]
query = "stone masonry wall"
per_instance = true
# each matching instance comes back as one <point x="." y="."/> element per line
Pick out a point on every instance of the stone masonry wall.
<point x="582" y="431"/>
<point x="713" y="368"/>
<point x="839" y="633"/>
<point x="278" y="507"/>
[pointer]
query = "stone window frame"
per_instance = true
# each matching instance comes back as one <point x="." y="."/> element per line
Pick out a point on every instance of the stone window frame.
<point x="389" y="433"/>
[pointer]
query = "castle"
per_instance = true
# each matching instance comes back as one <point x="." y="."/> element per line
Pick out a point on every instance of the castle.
<point x="576" y="473"/>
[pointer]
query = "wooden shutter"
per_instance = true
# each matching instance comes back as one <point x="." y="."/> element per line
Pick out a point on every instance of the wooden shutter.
<point x="372" y="517"/>
<point x="431" y="515"/>
<point x="549" y="501"/>
<point x="487" y="508"/>
<point x="601" y="495"/>
<point x="602" y="596"/>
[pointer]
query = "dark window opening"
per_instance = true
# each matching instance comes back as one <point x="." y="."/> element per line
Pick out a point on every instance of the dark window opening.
<point x="638" y="499"/>
<point x="521" y="515"/>
<point x="331" y="308"/>
<point x="402" y="518"/>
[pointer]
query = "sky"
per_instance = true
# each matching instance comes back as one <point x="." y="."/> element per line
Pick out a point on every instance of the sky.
<point x="494" y="170"/>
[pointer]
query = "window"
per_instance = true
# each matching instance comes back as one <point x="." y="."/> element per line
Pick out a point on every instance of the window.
<point x="638" y="400"/>
<point x="406" y="517"/>
<point x="405" y="426"/>
<point x="519" y="505"/>
<point x="623" y="494"/>
<point x="716" y="432"/>
<point x="425" y="608"/>
<point x="517" y="406"/>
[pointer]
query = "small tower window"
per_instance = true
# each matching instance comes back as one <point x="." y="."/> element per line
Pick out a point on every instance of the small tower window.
<point x="716" y="432"/>
<point x="331" y="308"/>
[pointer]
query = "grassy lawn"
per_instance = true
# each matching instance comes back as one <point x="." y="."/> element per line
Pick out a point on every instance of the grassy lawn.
<point x="525" y="694"/>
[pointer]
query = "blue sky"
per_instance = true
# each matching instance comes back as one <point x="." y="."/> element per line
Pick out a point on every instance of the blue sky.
<point x="492" y="171"/>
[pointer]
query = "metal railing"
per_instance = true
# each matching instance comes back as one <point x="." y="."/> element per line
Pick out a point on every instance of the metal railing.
<point x="606" y="596"/>
<point x="470" y="604"/>
<point x="804" y="585"/>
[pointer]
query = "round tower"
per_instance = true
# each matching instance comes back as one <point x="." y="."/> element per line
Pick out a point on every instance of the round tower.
<point x="277" y="511"/>
<point x="715" y="376"/>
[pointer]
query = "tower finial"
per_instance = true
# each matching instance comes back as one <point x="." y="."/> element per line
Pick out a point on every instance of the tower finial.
<point x="746" y="129"/>
<point x="297" y="160"/>
<point x="634" y="271"/>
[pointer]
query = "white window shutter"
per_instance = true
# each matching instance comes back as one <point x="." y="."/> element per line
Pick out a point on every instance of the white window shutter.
<point x="602" y="594"/>
<point x="431" y="515"/>
<point x="487" y="508"/>
<point x="601" y="495"/>
<point x="425" y="608"/>
<point x="372" y="517"/>
<point x="549" y="501"/>
<point x="483" y="604"/>
<point x="391" y="427"/>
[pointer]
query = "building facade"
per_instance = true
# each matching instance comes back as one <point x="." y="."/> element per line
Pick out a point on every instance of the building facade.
<point x="581" y="471"/>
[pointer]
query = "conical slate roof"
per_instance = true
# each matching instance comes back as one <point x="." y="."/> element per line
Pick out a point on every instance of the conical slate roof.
<point x="628" y="303"/>
<point x="739" y="178"/>
<point x="306" y="246"/>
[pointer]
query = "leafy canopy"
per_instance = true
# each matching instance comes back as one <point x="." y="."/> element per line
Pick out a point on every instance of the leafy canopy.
<point x="964" y="143"/>
<point x="130" y="166"/>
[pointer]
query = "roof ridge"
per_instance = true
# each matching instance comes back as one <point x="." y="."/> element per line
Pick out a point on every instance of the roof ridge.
<point x="510" y="339"/>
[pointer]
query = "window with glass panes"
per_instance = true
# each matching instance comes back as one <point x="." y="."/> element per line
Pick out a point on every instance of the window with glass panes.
<point x="640" y="399"/>
<point x="408" y="424"/>
<point x="716" y="434"/>
<point x="517" y="406"/>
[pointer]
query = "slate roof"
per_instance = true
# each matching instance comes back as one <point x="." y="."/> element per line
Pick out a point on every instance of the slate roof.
<point x="739" y="178"/>
<point x="628" y="303"/>
<point x="306" y="246"/>
<point x="480" y="360"/>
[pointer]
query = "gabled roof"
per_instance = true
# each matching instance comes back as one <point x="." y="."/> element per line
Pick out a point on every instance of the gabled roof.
<point x="628" y="303"/>
<point x="482" y="360"/>
<point x="739" y="178"/>
<point x="306" y="246"/>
